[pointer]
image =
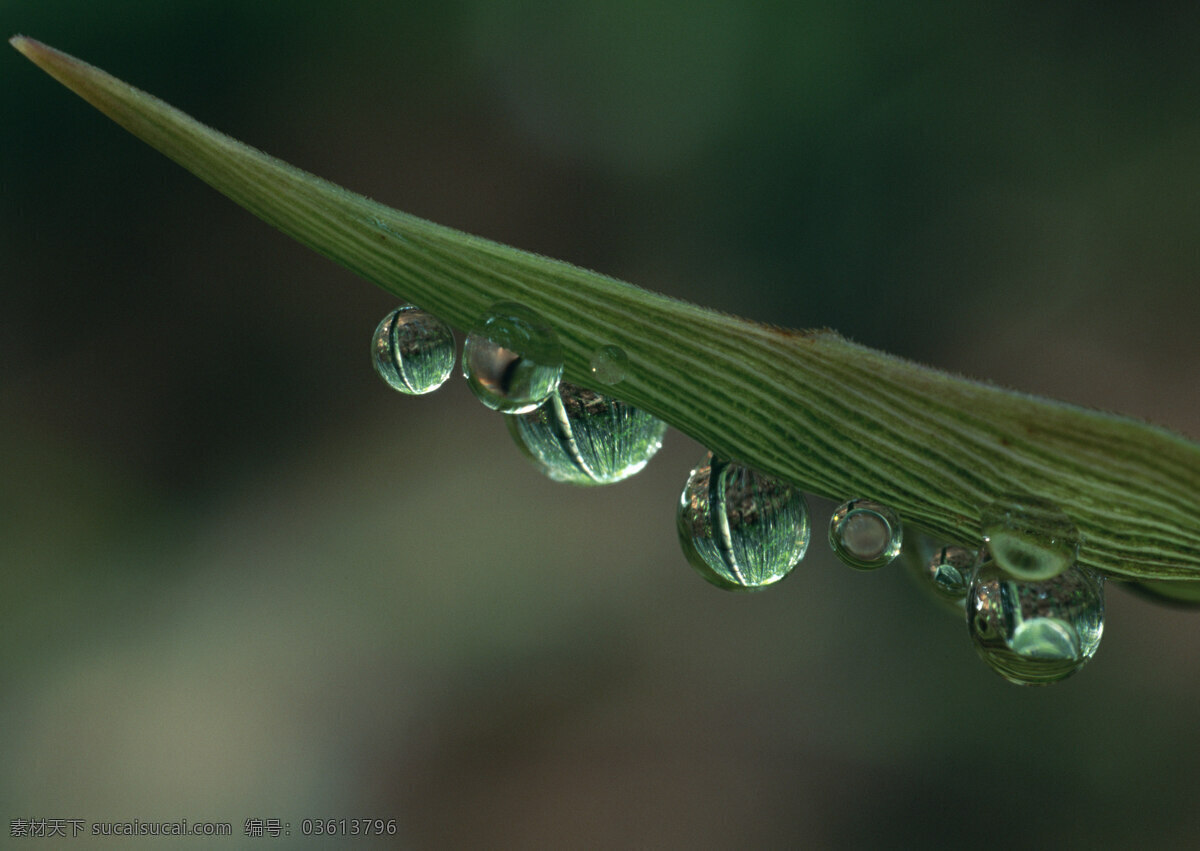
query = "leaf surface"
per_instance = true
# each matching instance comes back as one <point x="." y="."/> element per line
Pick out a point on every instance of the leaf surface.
<point x="839" y="419"/>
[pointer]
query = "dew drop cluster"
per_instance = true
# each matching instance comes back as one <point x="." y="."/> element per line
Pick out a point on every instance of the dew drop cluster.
<point x="1034" y="618"/>
<point x="512" y="361"/>
<point x="1034" y="614"/>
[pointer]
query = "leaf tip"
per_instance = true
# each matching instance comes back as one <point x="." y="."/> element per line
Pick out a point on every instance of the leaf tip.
<point x="44" y="56"/>
<point x="32" y="49"/>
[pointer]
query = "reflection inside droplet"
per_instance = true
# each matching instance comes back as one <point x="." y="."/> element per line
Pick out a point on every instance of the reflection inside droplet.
<point x="609" y="364"/>
<point x="413" y="351"/>
<point x="865" y="534"/>
<point x="586" y="438"/>
<point x="512" y="359"/>
<point x="949" y="570"/>
<point x="1034" y="632"/>
<point x="1029" y="537"/>
<point x="740" y="529"/>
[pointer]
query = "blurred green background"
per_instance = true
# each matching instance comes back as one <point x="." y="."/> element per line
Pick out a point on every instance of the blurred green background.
<point x="242" y="578"/>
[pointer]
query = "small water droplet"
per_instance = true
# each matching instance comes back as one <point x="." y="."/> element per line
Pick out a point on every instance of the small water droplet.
<point x="413" y="351"/>
<point x="609" y="364"/>
<point x="865" y="534"/>
<point x="512" y="359"/>
<point x="1029" y="537"/>
<point x="949" y="570"/>
<point x="1035" y="632"/>
<point x="740" y="529"/>
<point x="587" y="438"/>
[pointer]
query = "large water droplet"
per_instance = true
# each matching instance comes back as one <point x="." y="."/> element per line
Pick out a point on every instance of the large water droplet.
<point x="949" y="572"/>
<point x="865" y="534"/>
<point x="1030" y="538"/>
<point x="587" y="438"/>
<point x="609" y="364"/>
<point x="740" y="529"/>
<point x="512" y="359"/>
<point x="413" y="351"/>
<point x="1035" y="632"/>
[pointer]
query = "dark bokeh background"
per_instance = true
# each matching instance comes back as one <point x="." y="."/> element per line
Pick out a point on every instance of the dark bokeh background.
<point x="241" y="578"/>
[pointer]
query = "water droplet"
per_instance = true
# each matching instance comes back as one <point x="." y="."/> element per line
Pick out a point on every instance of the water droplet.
<point x="609" y="364"/>
<point x="512" y="359"/>
<point x="413" y="351"/>
<point x="1035" y="632"/>
<point x="740" y="529"/>
<point x="587" y="438"/>
<point x="865" y="534"/>
<point x="949" y="571"/>
<point x="1030" y="538"/>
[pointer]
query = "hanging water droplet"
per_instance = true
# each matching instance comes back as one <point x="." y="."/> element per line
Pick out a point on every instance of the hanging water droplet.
<point x="512" y="359"/>
<point x="944" y="572"/>
<point x="865" y="534"/>
<point x="609" y="364"/>
<point x="1035" y="632"/>
<point x="1030" y="538"/>
<point x="587" y="438"/>
<point x="949" y="571"/>
<point x="740" y="529"/>
<point x="413" y="351"/>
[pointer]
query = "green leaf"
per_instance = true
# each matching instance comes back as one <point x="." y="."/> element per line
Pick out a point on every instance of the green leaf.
<point x="836" y="418"/>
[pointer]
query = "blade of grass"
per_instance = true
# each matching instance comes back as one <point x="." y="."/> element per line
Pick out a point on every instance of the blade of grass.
<point x="836" y="418"/>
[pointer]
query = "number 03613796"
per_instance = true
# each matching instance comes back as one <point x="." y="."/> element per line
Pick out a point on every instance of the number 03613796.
<point x="348" y="827"/>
